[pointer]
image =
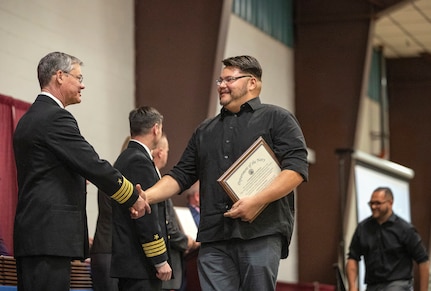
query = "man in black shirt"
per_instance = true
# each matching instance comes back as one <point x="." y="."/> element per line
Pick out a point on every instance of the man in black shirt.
<point x="388" y="244"/>
<point x="237" y="254"/>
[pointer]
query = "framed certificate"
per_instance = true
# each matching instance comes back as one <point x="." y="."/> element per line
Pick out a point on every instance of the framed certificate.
<point x="186" y="221"/>
<point x="252" y="172"/>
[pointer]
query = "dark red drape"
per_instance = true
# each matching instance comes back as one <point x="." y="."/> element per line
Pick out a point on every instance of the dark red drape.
<point x="11" y="111"/>
<point x="19" y="108"/>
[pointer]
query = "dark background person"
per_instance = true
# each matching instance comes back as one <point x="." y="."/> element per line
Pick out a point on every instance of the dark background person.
<point x="388" y="244"/>
<point x="139" y="247"/>
<point x="236" y="254"/>
<point x="101" y="250"/>
<point x="179" y="242"/>
<point x="53" y="161"/>
<point x="192" y="195"/>
<point x="3" y="249"/>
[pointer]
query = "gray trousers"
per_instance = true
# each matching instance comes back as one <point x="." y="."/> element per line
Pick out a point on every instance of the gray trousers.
<point x="399" y="285"/>
<point x="240" y="265"/>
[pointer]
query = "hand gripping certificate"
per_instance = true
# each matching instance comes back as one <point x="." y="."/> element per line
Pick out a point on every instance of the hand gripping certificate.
<point x="252" y="172"/>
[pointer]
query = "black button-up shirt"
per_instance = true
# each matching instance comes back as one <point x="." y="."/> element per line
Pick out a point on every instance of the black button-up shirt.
<point x="216" y="144"/>
<point x="388" y="249"/>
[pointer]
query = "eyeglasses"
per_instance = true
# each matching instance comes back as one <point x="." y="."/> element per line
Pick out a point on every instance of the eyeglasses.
<point x="230" y="80"/>
<point x="376" y="203"/>
<point x="79" y="78"/>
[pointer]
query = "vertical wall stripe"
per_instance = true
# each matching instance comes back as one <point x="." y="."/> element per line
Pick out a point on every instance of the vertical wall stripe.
<point x="273" y="17"/>
<point x="374" y="84"/>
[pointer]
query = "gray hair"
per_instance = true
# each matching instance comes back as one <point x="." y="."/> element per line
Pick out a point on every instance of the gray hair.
<point x="53" y="62"/>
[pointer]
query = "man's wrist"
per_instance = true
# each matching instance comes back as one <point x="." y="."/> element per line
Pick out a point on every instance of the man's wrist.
<point x="160" y="264"/>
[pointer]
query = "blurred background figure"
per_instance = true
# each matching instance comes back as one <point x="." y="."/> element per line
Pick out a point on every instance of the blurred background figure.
<point x="3" y="249"/>
<point x="193" y="202"/>
<point x="180" y="243"/>
<point x="101" y="250"/>
<point x="389" y="245"/>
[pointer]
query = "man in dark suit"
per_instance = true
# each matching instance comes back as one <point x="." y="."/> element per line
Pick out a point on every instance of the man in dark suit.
<point x="53" y="163"/>
<point x="139" y="247"/>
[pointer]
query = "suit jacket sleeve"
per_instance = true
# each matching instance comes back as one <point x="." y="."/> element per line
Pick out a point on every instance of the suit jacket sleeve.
<point x="67" y="143"/>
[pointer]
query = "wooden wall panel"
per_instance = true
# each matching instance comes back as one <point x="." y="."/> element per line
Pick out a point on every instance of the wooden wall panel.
<point x="330" y="55"/>
<point x="409" y="87"/>
<point x="176" y="44"/>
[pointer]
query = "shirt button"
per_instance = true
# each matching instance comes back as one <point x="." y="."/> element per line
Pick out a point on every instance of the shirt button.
<point x="227" y="141"/>
<point x="226" y="157"/>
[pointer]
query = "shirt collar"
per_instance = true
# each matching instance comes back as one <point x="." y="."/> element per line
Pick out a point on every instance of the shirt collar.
<point x="391" y="219"/>
<point x="145" y="147"/>
<point x="53" y="98"/>
<point x="250" y="105"/>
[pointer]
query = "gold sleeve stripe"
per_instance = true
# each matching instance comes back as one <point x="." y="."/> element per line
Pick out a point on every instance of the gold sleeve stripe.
<point x="124" y="193"/>
<point x="155" y="252"/>
<point x="155" y="248"/>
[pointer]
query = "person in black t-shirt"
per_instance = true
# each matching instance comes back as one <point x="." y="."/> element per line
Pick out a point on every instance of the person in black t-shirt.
<point x="388" y="245"/>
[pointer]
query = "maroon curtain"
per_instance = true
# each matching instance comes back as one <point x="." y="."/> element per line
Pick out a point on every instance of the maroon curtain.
<point x="10" y="112"/>
<point x="19" y="108"/>
<point x="7" y="172"/>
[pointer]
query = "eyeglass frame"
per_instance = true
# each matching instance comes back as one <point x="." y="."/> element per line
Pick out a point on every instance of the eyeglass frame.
<point x="229" y="80"/>
<point x="79" y="78"/>
<point x="377" y="203"/>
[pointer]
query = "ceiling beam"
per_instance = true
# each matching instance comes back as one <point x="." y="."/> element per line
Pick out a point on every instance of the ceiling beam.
<point x="385" y="6"/>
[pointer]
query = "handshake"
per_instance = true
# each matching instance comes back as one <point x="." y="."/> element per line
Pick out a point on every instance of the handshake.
<point x="141" y="205"/>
